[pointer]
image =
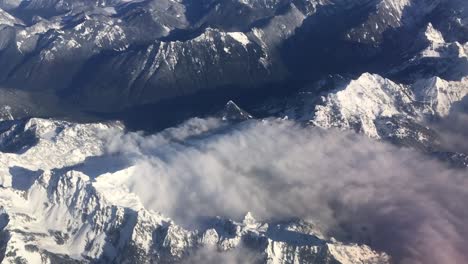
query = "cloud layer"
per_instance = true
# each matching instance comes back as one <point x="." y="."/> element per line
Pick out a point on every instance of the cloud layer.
<point x="356" y="189"/>
<point x="453" y="129"/>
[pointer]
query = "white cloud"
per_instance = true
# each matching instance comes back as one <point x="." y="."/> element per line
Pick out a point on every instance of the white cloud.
<point x="357" y="189"/>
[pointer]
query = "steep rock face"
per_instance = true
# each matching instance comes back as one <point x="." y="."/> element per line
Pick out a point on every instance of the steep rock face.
<point x="53" y="212"/>
<point x="387" y="15"/>
<point x="391" y="15"/>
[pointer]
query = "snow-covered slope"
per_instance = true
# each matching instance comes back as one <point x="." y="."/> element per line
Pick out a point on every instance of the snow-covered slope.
<point x="439" y="95"/>
<point x="7" y="19"/>
<point x="360" y="103"/>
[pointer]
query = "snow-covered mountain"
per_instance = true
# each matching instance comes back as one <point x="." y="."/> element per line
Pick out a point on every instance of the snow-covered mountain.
<point x="371" y="97"/>
<point x="425" y="88"/>
<point x="151" y="51"/>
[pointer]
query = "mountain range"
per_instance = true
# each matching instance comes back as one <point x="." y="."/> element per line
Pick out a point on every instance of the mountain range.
<point x="117" y="144"/>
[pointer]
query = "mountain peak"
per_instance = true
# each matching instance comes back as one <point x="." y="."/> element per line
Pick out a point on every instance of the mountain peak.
<point x="440" y="95"/>
<point x="249" y="219"/>
<point x="360" y="102"/>
<point x="232" y="112"/>
<point x="433" y="35"/>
